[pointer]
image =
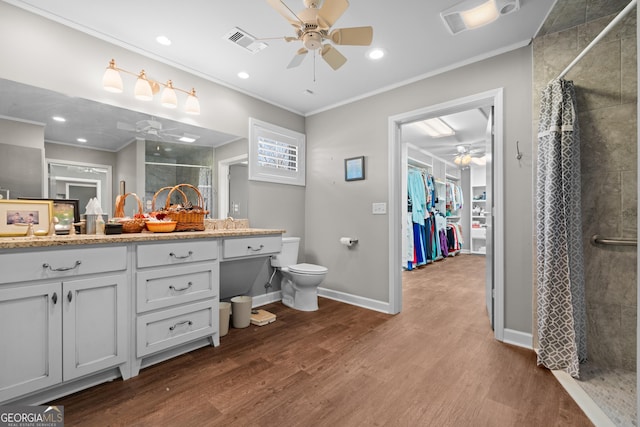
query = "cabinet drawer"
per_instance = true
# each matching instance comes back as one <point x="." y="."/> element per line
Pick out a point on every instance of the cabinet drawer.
<point x="251" y="246"/>
<point x="167" y="253"/>
<point x="165" y="287"/>
<point x="168" y="328"/>
<point x="60" y="263"/>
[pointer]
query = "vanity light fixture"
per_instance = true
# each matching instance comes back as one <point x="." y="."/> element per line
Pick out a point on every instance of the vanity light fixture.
<point x="471" y="14"/>
<point x="145" y="88"/>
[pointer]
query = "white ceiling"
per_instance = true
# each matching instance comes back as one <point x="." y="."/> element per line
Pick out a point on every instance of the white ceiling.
<point x="416" y="42"/>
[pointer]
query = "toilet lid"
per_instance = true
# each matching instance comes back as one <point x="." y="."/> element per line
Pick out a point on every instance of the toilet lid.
<point x="305" y="268"/>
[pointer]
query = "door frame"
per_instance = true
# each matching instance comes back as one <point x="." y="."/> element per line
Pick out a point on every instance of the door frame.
<point x="493" y="97"/>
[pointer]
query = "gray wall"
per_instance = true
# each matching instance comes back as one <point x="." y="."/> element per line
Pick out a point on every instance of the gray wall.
<point x="21" y="143"/>
<point x="606" y="90"/>
<point x="337" y="208"/>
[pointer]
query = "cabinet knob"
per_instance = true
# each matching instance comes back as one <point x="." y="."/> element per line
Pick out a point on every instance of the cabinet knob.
<point x="69" y="296"/>
<point x="54" y="298"/>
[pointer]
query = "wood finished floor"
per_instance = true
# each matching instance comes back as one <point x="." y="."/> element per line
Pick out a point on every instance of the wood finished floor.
<point x="435" y="364"/>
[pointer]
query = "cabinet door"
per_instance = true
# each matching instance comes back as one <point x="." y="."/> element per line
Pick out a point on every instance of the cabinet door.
<point x="31" y="339"/>
<point x="95" y="324"/>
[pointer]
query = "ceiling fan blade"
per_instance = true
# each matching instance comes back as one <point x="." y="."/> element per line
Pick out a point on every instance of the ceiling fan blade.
<point x="355" y="36"/>
<point x="284" y="10"/>
<point x="331" y="10"/>
<point x="297" y="59"/>
<point x="331" y="55"/>
<point x="125" y="126"/>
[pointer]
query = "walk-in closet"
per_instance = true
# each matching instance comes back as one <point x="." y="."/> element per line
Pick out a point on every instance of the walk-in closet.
<point x="445" y="210"/>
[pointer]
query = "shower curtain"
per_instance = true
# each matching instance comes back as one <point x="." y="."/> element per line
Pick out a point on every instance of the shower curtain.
<point x="560" y="267"/>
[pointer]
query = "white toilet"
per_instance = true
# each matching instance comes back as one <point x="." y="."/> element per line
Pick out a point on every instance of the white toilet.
<point x="300" y="281"/>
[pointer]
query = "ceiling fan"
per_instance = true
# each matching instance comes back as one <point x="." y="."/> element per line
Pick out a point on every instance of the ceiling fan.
<point x="466" y="154"/>
<point x="313" y="28"/>
<point x="152" y="129"/>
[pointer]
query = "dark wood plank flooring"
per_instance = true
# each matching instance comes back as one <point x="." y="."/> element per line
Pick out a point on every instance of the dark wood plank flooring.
<point x="435" y="364"/>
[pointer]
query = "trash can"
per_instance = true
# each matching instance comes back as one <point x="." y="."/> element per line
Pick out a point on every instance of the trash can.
<point x="225" y="313"/>
<point x="241" y="311"/>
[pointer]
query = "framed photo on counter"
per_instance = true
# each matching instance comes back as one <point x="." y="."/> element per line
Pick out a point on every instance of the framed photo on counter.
<point x="16" y="215"/>
<point x="66" y="210"/>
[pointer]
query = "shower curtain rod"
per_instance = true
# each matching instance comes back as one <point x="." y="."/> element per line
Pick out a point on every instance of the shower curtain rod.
<point x="603" y="33"/>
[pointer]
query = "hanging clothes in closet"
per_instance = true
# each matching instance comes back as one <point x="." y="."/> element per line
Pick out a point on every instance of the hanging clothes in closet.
<point x="428" y="236"/>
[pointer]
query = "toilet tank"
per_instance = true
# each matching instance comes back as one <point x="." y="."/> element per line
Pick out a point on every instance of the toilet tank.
<point x="289" y="254"/>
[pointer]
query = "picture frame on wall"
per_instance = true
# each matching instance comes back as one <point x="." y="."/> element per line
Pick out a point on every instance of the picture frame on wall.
<point x="16" y="215"/>
<point x="354" y="168"/>
<point x="66" y="210"/>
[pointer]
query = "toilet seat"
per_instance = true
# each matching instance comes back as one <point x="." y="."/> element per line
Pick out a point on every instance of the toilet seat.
<point x="310" y="269"/>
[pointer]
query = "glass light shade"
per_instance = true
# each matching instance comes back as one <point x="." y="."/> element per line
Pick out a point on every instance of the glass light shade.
<point x="481" y="15"/>
<point x="192" y="105"/>
<point x="112" y="80"/>
<point x="466" y="159"/>
<point x="169" y="98"/>
<point x="142" y="90"/>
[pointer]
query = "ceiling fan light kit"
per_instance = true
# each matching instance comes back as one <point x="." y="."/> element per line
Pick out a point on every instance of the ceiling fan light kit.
<point x="472" y="14"/>
<point x="313" y="29"/>
<point x="145" y="88"/>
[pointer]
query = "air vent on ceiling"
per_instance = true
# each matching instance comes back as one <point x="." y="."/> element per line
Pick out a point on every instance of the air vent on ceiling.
<point x="244" y="40"/>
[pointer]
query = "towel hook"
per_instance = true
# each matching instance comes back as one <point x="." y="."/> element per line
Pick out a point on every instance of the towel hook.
<point x="519" y="156"/>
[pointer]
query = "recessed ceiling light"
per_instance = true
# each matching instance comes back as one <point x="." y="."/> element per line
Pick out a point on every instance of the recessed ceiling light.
<point x="243" y="75"/>
<point x="59" y="119"/>
<point x="376" y="53"/>
<point x="163" y="40"/>
<point x="83" y="140"/>
<point x="168" y="149"/>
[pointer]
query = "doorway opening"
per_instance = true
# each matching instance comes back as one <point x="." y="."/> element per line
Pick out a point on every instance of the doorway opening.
<point x="230" y="196"/>
<point x="488" y="101"/>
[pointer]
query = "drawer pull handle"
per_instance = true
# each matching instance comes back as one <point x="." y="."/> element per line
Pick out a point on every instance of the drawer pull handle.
<point x="186" y="322"/>
<point x="45" y="265"/>
<point x="181" y="256"/>
<point x="251" y="248"/>
<point x="69" y="296"/>
<point x="54" y="298"/>
<point x="173" y="288"/>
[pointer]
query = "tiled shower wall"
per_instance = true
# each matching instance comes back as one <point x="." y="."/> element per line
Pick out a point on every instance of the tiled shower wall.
<point x="606" y="90"/>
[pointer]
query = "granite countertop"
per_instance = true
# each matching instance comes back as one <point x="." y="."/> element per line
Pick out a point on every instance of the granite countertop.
<point x="92" y="239"/>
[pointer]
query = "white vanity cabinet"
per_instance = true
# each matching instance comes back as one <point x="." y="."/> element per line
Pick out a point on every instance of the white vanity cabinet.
<point x="176" y="299"/>
<point x="64" y="315"/>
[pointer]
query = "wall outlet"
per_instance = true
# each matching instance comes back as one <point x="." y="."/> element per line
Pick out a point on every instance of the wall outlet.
<point x="379" y="208"/>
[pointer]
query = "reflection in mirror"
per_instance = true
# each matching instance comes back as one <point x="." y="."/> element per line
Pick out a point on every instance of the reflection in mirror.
<point x="104" y="127"/>
<point x="168" y="164"/>
<point x="73" y="180"/>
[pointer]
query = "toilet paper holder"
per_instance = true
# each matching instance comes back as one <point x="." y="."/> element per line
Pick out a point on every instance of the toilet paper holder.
<point x="348" y="241"/>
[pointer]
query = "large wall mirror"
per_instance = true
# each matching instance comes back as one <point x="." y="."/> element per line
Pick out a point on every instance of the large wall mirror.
<point x="174" y="152"/>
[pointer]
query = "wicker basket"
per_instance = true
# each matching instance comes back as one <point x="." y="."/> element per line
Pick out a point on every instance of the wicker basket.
<point x="190" y="217"/>
<point x="134" y="225"/>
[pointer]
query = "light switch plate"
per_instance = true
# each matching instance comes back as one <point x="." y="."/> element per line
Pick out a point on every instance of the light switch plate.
<point x="379" y="208"/>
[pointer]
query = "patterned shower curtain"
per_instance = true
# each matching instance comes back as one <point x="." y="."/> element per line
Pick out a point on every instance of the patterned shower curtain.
<point x="560" y="267"/>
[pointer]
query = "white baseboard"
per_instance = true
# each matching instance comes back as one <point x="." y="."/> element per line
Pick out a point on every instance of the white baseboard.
<point x="260" y="300"/>
<point x="521" y="339"/>
<point x="369" y="303"/>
